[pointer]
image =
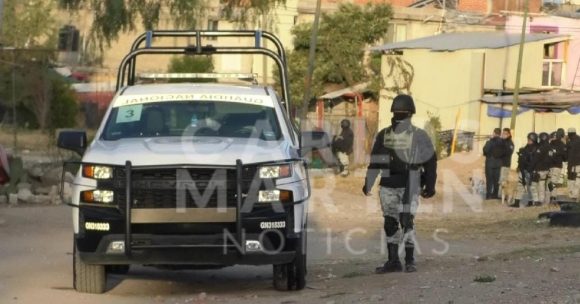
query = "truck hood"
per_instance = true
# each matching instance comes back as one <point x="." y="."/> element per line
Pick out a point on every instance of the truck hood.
<point x="161" y="151"/>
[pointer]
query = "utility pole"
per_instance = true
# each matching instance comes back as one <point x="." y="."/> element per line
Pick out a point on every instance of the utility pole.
<point x="311" y="54"/>
<point x="1" y="15"/>
<point x="14" y="120"/>
<point x="516" y="99"/>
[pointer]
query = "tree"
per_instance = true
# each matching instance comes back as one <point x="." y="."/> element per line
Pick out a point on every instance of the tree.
<point x="28" y="24"/>
<point x="112" y="17"/>
<point x="340" y="54"/>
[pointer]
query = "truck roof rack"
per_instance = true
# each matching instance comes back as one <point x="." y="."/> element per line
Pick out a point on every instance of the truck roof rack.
<point x="126" y="73"/>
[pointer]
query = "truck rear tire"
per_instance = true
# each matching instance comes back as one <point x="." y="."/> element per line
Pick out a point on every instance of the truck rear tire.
<point x="88" y="278"/>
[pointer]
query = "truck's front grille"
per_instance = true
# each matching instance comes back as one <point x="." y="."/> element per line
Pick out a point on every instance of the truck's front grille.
<point x="181" y="188"/>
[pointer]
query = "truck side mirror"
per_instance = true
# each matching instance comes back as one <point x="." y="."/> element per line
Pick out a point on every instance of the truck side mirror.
<point x="74" y="140"/>
<point x="314" y="140"/>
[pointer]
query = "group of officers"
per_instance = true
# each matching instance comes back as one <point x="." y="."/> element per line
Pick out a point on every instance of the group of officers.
<point x="540" y="166"/>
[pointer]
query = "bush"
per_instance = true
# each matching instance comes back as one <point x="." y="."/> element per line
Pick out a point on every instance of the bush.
<point x="433" y="128"/>
<point x="63" y="109"/>
<point x="191" y="64"/>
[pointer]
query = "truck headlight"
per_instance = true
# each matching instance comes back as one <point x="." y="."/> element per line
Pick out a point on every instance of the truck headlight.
<point x="97" y="172"/>
<point x="267" y="196"/>
<point x="98" y="196"/>
<point x="278" y="171"/>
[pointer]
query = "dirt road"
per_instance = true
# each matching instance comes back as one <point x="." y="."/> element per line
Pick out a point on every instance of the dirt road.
<point x="462" y="240"/>
<point x="35" y="267"/>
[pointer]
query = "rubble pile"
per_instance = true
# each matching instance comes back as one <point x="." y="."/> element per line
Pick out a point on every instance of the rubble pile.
<point x="36" y="182"/>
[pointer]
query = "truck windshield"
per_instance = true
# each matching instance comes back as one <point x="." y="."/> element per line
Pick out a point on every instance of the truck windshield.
<point x="192" y="118"/>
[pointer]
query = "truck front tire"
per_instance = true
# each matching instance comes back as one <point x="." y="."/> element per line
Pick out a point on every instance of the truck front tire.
<point x="88" y="278"/>
<point x="292" y="276"/>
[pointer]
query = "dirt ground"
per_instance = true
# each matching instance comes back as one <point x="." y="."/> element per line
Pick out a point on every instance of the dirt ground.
<point x="470" y="251"/>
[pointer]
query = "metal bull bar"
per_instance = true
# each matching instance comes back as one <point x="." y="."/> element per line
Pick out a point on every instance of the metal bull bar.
<point x="126" y="72"/>
<point x="239" y="235"/>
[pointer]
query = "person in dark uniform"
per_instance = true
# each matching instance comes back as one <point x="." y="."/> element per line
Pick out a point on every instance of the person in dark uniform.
<point x="342" y="146"/>
<point x="494" y="151"/>
<point x="541" y="163"/>
<point x="573" y="149"/>
<point x="404" y="156"/>
<point x="558" y="155"/>
<point x="506" y="135"/>
<point x="525" y="192"/>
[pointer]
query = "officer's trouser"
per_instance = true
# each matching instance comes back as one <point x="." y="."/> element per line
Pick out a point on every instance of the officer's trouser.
<point x="344" y="160"/>
<point x="399" y="217"/>
<point x="524" y="189"/>
<point x="555" y="180"/>
<point x="574" y="184"/>
<point x="539" y="185"/>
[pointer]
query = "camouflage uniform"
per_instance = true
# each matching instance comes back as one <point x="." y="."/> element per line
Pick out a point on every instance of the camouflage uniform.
<point x="404" y="157"/>
<point x="393" y="207"/>
<point x="574" y="184"/>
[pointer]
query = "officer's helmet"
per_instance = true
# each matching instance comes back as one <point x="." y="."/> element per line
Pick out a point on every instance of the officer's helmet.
<point x="403" y="103"/>
<point x="560" y="133"/>
<point x="345" y="123"/>
<point x="533" y="137"/>
<point x="554" y="135"/>
<point x="544" y="137"/>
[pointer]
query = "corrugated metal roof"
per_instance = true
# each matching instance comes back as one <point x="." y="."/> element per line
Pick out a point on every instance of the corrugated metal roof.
<point x="468" y="40"/>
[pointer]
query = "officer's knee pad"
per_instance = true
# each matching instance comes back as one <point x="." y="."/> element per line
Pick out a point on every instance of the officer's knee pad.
<point x="391" y="225"/>
<point x="536" y="177"/>
<point x="407" y="222"/>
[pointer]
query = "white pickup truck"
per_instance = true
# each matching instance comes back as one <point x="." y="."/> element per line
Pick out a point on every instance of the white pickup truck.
<point x="192" y="175"/>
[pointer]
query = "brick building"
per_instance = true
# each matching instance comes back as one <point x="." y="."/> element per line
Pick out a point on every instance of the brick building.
<point x="496" y="6"/>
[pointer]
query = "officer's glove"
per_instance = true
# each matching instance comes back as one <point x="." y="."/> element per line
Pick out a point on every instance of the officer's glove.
<point x="366" y="190"/>
<point x="427" y="193"/>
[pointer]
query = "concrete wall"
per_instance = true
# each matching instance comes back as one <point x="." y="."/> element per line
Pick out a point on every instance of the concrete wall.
<point x="501" y="65"/>
<point x="444" y="84"/>
<point x="535" y="6"/>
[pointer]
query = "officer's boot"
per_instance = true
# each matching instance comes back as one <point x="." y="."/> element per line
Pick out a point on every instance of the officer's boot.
<point x="410" y="265"/>
<point x="393" y="264"/>
<point x="344" y="172"/>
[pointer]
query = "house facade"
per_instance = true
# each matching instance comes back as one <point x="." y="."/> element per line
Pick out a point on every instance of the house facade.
<point x="560" y="64"/>
<point x="448" y="75"/>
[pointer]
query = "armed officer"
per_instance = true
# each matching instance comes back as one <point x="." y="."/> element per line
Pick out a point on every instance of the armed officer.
<point x="573" y="149"/>
<point x="404" y="157"/>
<point x="525" y="191"/>
<point x="558" y="155"/>
<point x="494" y="151"/>
<point x="342" y="146"/>
<point x="541" y="163"/>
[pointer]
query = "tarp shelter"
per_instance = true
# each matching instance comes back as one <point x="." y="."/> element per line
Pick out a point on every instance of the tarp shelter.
<point x="537" y="112"/>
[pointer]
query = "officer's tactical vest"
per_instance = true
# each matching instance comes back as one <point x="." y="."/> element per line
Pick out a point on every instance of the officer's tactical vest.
<point x="400" y="146"/>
